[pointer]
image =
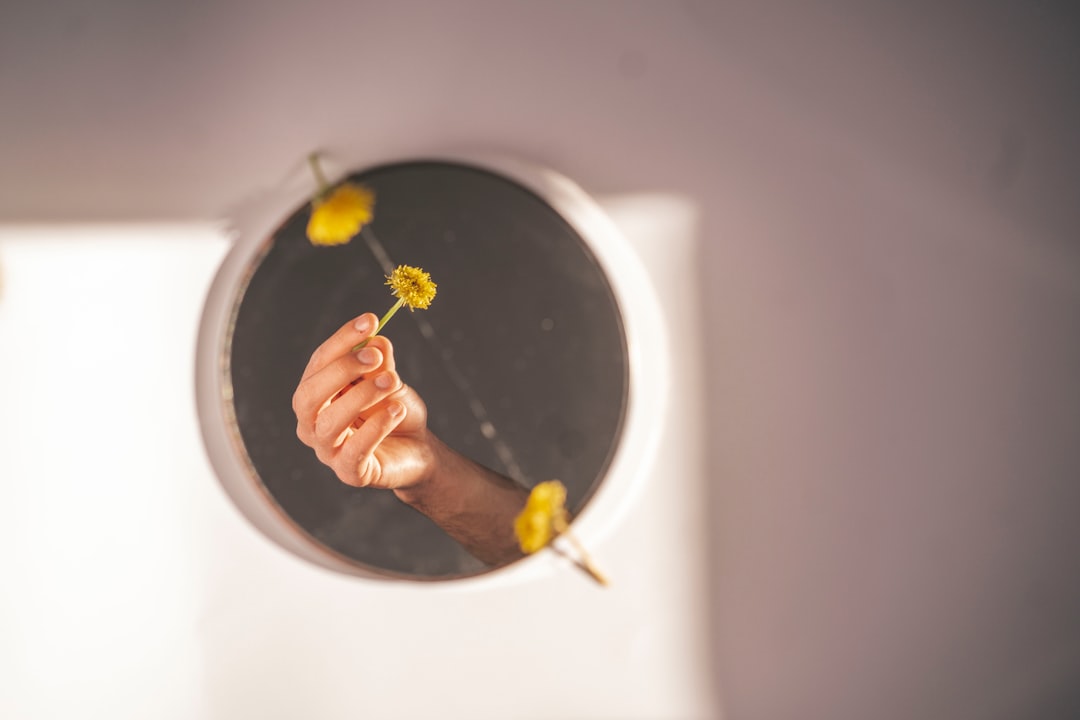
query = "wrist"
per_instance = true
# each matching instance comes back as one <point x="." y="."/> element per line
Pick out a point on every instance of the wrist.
<point x="473" y="504"/>
<point x="427" y="478"/>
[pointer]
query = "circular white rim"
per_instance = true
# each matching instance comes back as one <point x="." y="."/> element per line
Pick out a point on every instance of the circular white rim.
<point x="630" y="465"/>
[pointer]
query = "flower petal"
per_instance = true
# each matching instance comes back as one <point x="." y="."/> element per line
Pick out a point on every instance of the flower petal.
<point x="337" y="218"/>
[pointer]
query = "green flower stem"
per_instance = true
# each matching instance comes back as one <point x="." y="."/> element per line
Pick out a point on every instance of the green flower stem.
<point x="385" y="319"/>
<point x="316" y="169"/>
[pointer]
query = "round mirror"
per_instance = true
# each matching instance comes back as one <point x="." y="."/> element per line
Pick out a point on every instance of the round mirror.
<point x="521" y="359"/>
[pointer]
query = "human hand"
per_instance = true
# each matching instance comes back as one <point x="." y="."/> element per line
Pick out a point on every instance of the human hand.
<point x="360" y="418"/>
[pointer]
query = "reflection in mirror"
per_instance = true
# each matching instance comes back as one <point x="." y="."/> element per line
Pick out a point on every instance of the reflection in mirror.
<point x="521" y="361"/>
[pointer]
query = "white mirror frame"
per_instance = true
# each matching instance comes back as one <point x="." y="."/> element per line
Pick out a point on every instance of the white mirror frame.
<point x="643" y="423"/>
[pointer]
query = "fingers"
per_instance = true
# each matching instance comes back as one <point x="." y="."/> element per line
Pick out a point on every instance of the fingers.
<point x="341" y="342"/>
<point x="348" y="403"/>
<point x="355" y="463"/>
<point x="318" y="391"/>
<point x="359" y="401"/>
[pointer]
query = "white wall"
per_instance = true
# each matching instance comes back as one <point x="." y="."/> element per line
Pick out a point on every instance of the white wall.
<point x="104" y="483"/>
<point x="133" y="588"/>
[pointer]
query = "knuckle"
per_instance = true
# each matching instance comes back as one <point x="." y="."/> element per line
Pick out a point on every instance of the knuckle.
<point x="302" y="400"/>
<point x="324" y="457"/>
<point x="368" y="471"/>
<point x="318" y="357"/>
<point x="324" y="431"/>
<point x="321" y="421"/>
<point x="356" y="474"/>
<point x="330" y="422"/>
<point x="349" y="479"/>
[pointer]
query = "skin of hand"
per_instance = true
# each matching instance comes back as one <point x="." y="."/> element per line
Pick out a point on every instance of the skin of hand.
<point x="359" y="417"/>
<point x="371" y="429"/>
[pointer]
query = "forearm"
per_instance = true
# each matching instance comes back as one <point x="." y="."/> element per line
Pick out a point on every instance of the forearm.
<point x="474" y="505"/>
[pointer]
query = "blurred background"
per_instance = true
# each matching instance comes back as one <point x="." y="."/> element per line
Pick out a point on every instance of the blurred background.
<point x="862" y="224"/>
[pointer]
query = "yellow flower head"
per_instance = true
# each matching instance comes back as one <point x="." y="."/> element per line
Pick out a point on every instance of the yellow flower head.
<point x="543" y="518"/>
<point x="337" y="218"/>
<point x="412" y="285"/>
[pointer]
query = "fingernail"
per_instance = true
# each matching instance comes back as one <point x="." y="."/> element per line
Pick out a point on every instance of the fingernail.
<point x="395" y="409"/>
<point x="384" y="381"/>
<point x="368" y="356"/>
<point x="363" y="323"/>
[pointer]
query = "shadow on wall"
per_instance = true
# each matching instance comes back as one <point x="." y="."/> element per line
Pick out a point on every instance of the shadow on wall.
<point x="893" y="412"/>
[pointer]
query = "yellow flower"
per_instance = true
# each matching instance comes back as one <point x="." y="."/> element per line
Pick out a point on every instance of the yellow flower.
<point x="338" y="217"/>
<point x="412" y="286"/>
<point x="543" y="518"/>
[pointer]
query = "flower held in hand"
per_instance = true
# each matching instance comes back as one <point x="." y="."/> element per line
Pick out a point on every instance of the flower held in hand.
<point x="412" y="287"/>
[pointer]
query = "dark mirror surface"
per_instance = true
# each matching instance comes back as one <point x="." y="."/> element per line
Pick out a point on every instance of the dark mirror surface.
<point x="521" y="358"/>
